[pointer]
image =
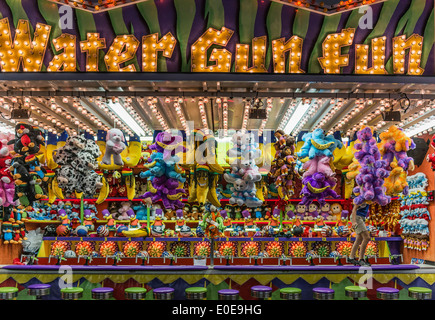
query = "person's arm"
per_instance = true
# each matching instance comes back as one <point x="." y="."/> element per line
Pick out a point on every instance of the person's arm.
<point x="353" y="214"/>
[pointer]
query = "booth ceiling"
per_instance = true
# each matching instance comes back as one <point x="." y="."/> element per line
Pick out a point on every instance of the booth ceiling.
<point x="163" y="105"/>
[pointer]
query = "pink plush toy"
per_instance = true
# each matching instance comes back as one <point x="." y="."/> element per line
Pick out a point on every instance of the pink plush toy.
<point x="7" y="185"/>
<point x="115" y="144"/>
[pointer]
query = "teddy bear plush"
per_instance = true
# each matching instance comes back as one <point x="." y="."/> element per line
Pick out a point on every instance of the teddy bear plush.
<point x="115" y="144"/>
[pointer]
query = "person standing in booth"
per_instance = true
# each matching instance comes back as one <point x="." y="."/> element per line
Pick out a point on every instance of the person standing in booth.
<point x="358" y="217"/>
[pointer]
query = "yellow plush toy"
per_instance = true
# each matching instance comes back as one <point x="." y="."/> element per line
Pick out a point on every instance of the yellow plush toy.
<point x="395" y="183"/>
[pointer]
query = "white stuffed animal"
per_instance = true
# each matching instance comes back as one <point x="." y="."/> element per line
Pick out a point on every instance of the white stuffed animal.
<point x="115" y="144"/>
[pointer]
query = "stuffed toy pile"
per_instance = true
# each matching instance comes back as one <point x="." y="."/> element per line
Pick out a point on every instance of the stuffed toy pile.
<point x="318" y="177"/>
<point x="204" y="169"/>
<point x="393" y="148"/>
<point x="370" y="180"/>
<point x="283" y="170"/>
<point x="7" y="185"/>
<point x="414" y="213"/>
<point x="26" y="170"/>
<point x="77" y="161"/>
<point x="165" y="180"/>
<point x="244" y="171"/>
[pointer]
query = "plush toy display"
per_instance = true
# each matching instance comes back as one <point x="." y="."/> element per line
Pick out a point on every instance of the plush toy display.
<point x="370" y="179"/>
<point x="115" y="144"/>
<point x="318" y="177"/>
<point x="414" y="212"/>
<point x="393" y="148"/>
<point x="7" y="185"/>
<point x="244" y="171"/>
<point x="204" y="169"/>
<point x="78" y="161"/>
<point x="26" y="170"/>
<point x="283" y="169"/>
<point x="165" y="180"/>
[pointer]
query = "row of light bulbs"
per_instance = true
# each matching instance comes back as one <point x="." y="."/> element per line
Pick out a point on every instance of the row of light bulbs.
<point x="311" y="111"/>
<point x="269" y="107"/>
<point x="152" y="104"/>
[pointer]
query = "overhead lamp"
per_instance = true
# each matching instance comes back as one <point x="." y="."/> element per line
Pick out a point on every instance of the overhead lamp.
<point x="299" y="112"/>
<point x="126" y="117"/>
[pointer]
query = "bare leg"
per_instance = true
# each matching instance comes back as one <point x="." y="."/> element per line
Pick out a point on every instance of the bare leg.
<point x="365" y="240"/>
<point x="356" y="244"/>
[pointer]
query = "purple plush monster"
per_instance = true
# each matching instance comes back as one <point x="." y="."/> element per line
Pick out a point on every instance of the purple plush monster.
<point x="317" y="187"/>
<point x="373" y="170"/>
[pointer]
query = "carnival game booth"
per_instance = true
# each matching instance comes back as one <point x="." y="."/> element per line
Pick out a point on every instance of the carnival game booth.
<point x="221" y="145"/>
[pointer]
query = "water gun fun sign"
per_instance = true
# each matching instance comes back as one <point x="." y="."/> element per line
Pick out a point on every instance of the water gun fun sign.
<point x="393" y="37"/>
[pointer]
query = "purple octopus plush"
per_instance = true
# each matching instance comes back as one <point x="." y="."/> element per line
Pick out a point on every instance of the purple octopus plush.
<point x="370" y="180"/>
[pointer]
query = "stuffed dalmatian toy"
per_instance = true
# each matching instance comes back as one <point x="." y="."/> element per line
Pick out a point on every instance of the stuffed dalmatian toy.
<point x="78" y="161"/>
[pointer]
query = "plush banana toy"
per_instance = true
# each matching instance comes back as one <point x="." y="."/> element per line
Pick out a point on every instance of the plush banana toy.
<point x="204" y="170"/>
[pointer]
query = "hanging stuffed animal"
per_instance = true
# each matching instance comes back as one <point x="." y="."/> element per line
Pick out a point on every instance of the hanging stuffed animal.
<point x="115" y="144"/>
<point x="25" y="167"/>
<point x="370" y="183"/>
<point x="318" y="178"/>
<point x="393" y="148"/>
<point x="7" y="186"/>
<point x="77" y="161"/>
<point x="204" y="169"/>
<point x="244" y="171"/>
<point x="283" y="169"/>
<point x="165" y="181"/>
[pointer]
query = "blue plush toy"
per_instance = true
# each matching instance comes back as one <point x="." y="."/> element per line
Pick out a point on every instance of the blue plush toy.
<point x="317" y="144"/>
<point x="141" y="212"/>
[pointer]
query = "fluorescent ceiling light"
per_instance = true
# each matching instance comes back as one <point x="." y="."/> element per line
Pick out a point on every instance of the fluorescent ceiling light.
<point x="297" y="115"/>
<point x="127" y="118"/>
<point x="421" y="126"/>
<point x="146" y="138"/>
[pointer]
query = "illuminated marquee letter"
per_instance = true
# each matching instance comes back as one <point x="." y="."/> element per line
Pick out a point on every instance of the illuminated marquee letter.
<point x="122" y="50"/>
<point x="221" y="56"/>
<point x="258" y="56"/>
<point x="378" y="57"/>
<point x="23" y="50"/>
<point x="415" y="44"/>
<point x="332" y="59"/>
<point x="151" y="45"/>
<point x="92" y="47"/>
<point x="66" y="59"/>
<point x="279" y="49"/>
